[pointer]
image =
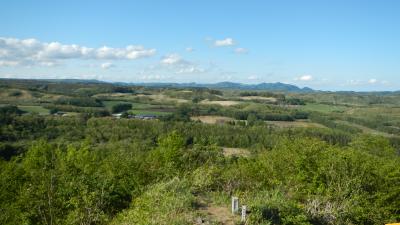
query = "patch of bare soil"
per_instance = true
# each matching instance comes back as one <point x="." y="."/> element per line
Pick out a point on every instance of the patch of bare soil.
<point x="270" y="99"/>
<point x="222" y="103"/>
<point x="161" y="98"/>
<point x="235" y="152"/>
<point x="214" y="214"/>
<point x="212" y="119"/>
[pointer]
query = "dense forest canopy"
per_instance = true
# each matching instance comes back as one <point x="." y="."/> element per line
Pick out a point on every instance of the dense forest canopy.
<point x="291" y="158"/>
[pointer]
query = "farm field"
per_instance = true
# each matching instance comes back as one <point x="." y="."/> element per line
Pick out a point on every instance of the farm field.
<point x="149" y="112"/>
<point x="324" y="108"/>
<point x="212" y="119"/>
<point x="270" y="99"/>
<point x="221" y="103"/>
<point x="366" y="129"/>
<point x="163" y="98"/>
<point x="300" y="123"/>
<point x="34" y="109"/>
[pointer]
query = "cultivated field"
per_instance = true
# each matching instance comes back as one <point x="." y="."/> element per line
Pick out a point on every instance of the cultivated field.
<point x="221" y="103"/>
<point x="270" y="99"/>
<point x="212" y="119"/>
<point x="299" y="123"/>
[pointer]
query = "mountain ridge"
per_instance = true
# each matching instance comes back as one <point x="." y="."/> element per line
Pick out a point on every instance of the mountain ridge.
<point x="277" y="86"/>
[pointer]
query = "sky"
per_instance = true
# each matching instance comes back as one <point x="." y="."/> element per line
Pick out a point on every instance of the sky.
<point x="325" y="45"/>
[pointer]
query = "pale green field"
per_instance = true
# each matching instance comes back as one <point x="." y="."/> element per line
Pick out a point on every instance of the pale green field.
<point x="299" y="123"/>
<point x="34" y="109"/>
<point x="323" y="108"/>
<point x="149" y="112"/>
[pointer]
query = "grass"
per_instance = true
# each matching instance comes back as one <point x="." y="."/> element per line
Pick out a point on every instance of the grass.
<point x="365" y="129"/>
<point x="323" y="108"/>
<point x="148" y="112"/>
<point x="34" y="109"/>
<point x="299" y="123"/>
<point x="164" y="99"/>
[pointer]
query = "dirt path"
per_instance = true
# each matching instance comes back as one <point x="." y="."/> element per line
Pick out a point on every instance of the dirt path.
<point x="219" y="214"/>
<point x="215" y="214"/>
<point x="235" y="152"/>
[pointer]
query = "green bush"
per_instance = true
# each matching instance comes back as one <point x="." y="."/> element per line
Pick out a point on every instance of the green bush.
<point x="15" y="93"/>
<point x="165" y="203"/>
<point x="79" y="101"/>
<point x="121" y="107"/>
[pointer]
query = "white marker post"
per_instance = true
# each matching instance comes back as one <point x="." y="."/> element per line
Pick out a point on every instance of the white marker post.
<point x="235" y="205"/>
<point x="244" y="211"/>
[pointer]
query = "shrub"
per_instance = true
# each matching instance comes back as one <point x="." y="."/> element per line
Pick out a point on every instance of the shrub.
<point x="15" y="93"/>
<point x="164" y="203"/>
<point x="79" y="101"/>
<point x="121" y="107"/>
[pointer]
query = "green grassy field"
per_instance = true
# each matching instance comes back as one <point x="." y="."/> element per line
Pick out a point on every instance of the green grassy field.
<point x="300" y="123"/>
<point x="323" y="108"/>
<point x="135" y="105"/>
<point x="365" y="129"/>
<point x="148" y="112"/>
<point x="34" y="109"/>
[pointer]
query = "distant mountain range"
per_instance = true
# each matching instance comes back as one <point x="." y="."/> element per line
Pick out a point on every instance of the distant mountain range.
<point x="221" y="85"/>
<point x="278" y="86"/>
<point x="230" y="85"/>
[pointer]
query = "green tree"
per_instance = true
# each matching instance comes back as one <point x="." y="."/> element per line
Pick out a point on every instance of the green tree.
<point x="121" y="107"/>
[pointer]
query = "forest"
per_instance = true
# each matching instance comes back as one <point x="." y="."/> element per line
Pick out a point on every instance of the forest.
<point x="94" y="153"/>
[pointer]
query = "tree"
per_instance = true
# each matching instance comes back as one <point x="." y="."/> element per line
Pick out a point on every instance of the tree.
<point x="121" y="107"/>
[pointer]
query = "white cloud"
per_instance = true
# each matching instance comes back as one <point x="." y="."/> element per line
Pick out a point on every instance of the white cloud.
<point x="172" y="59"/>
<point x="241" y="51"/>
<point x="176" y="64"/>
<point x="252" y="77"/>
<point x="152" y="77"/>
<point x="189" y="49"/>
<point x="15" y="52"/>
<point x="107" y="65"/>
<point x="366" y="83"/>
<point x="224" y="42"/>
<point x="8" y="63"/>
<point x="372" y="81"/>
<point x="190" y="69"/>
<point x="354" y="82"/>
<point x="305" y="78"/>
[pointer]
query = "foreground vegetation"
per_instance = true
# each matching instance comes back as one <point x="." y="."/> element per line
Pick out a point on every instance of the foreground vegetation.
<point x="89" y="167"/>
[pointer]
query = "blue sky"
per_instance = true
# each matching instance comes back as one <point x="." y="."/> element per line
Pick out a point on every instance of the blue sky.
<point x="328" y="45"/>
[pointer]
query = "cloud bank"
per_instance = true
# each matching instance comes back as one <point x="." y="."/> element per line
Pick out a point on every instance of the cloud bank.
<point x="14" y="52"/>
